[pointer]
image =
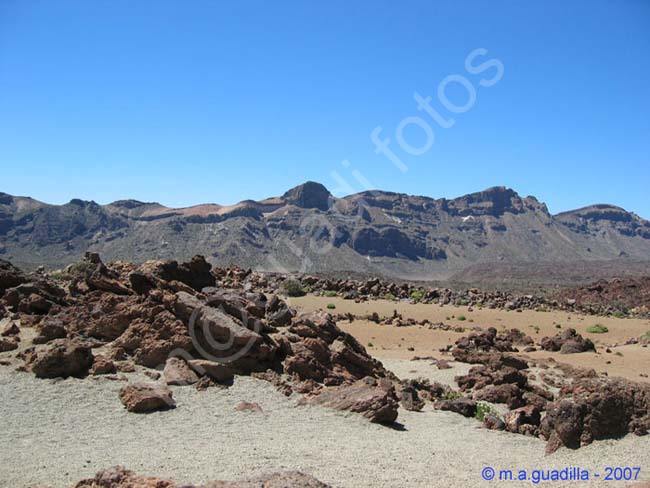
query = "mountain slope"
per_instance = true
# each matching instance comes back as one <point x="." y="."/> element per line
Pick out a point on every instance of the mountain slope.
<point x="308" y="229"/>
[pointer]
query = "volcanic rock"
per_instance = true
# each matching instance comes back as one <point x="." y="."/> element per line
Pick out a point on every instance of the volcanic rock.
<point x="375" y="400"/>
<point x="221" y="373"/>
<point x="62" y="359"/>
<point x="463" y="406"/>
<point x="144" y="398"/>
<point x="177" y="372"/>
<point x="567" y="342"/>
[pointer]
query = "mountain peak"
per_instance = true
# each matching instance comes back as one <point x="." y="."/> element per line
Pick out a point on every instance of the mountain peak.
<point x="309" y="195"/>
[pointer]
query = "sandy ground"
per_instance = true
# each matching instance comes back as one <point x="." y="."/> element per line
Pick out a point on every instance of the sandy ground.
<point x="386" y="342"/>
<point x="56" y="432"/>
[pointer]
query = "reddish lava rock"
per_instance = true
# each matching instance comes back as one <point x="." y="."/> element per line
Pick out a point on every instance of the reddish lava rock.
<point x="144" y="398"/>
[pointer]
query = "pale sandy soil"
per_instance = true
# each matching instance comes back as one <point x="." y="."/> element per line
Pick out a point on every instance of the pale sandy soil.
<point x="385" y="341"/>
<point x="56" y="432"/>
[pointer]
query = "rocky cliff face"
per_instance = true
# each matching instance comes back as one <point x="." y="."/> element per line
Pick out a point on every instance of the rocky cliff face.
<point x="308" y="229"/>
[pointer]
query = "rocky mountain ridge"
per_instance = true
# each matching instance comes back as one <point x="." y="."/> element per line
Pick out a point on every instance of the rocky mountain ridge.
<point x="307" y="229"/>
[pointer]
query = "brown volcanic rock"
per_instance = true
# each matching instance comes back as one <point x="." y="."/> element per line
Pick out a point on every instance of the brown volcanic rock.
<point x="9" y="343"/>
<point x="219" y="372"/>
<point x="375" y="400"/>
<point x="596" y="408"/>
<point x="143" y="398"/>
<point x="567" y="342"/>
<point x="318" y="350"/>
<point x="622" y="295"/>
<point x="177" y="372"/>
<point x="165" y="317"/>
<point x="10" y="276"/>
<point x="522" y="419"/>
<point x="48" y="330"/>
<point x="119" y="477"/>
<point x="195" y="273"/>
<point x="62" y="359"/>
<point x="103" y="365"/>
<point x="464" y="406"/>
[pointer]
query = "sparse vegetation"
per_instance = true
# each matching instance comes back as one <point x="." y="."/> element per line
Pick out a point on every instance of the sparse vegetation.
<point x="293" y="288"/>
<point x="619" y="315"/>
<point x="597" y="329"/>
<point x="558" y="326"/>
<point x="462" y="318"/>
<point x="417" y="295"/>
<point x="646" y="336"/>
<point x="483" y="409"/>
<point x="331" y="306"/>
<point x="330" y="293"/>
<point x="389" y="296"/>
<point x="452" y="395"/>
<point x="370" y="344"/>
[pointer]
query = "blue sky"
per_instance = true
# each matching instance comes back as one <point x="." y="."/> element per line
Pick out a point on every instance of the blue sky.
<point x="212" y="101"/>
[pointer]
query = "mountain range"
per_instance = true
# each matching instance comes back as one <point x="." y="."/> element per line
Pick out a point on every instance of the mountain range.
<point x="307" y="229"/>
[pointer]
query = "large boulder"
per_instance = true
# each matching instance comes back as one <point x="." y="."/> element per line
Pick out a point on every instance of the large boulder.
<point x="195" y="273"/>
<point x="62" y="359"/>
<point x="596" y="408"/>
<point x="219" y="372"/>
<point x="144" y="398"/>
<point x="10" y="276"/>
<point x="177" y="372"/>
<point x="567" y="342"/>
<point x="9" y="343"/>
<point x="375" y="400"/>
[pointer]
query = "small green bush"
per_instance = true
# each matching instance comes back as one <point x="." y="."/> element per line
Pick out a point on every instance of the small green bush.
<point x="293" y="288"/>
<point x="370" y="344"/>
<point x="462" y="318"/>
<point x="331" y="306"/>
<point x="389" y="296"/>
<point x="483" y="409"/>
<point x="558" y="326"/>
<point x="452" y="395"/>
<point x="619" y="315"/>
<point x="417" y="295"/>
<point x="330" y="293"/>
<point x="597" y="329"/>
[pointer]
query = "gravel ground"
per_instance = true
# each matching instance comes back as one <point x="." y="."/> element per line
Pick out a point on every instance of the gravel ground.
<point x="56" y="433"/>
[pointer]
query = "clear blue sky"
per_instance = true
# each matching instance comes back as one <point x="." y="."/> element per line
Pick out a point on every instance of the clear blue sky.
<point x="186" y="102"/>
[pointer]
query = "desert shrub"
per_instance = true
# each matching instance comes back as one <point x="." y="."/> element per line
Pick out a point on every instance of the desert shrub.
<point x="483" y="409"/>
<point x="389" y="296"/>
<point x="452" y="395"/>
<point x="619" y="315"/>
<point x="331" y="306"/>
<point x="417" y="295"/>
<point x="293" y="288"/>
<point x="330" y="293"/>
<point x="370" y="344"/>
<point x="462" y="318"/>
<point x="597" y="329"/>
<point x="558" y="326"/>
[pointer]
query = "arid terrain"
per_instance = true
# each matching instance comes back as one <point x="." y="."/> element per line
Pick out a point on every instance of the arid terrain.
<point x="303" y="381"/>
<point x="495" y="236"/>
